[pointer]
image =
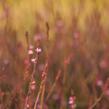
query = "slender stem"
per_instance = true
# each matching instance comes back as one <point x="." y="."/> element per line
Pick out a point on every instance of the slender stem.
<point x="37" y="98"/>
<point x="42" y="96"/>
<point x="29" y="89"/>
<point x="54" y="84"/>
<point x="97" y="101"/>
<point x="41" y="89"/>
<point x="32" y="75"/>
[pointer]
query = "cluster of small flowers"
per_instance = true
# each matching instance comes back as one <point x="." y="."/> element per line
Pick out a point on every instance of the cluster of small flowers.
<point x="33" y="60"/>
<point x="38" y="50"/>
<point x="72" y="102"/>
<point x="33" y="85"/>
<point x="99" y="81"/>
<point x="31" y="52"/>
<point x="27" y="106"/>
<point x="31" y="49"/>
<point x="43" y="75"/>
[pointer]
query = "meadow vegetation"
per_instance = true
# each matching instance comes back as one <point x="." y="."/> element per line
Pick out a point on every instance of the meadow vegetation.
<point x="54" y="54"/>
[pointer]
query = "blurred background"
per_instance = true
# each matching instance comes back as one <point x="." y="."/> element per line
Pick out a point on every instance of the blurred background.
<point x="72" y="36"/>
